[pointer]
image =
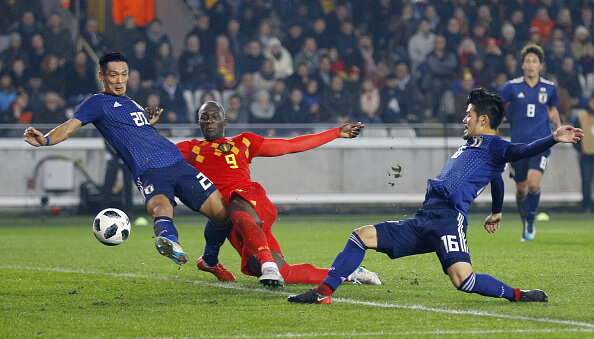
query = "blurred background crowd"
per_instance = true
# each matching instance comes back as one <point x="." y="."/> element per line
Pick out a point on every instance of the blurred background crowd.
<point x="297" y="61"/>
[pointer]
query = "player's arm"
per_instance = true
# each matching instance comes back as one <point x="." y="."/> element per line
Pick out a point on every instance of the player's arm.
<point x="565" y="134"/>
<point x="497" y="192"/>
<point x="55" y="136"/>
<point x="554" y="116"/>
<point x="276" y="147"/>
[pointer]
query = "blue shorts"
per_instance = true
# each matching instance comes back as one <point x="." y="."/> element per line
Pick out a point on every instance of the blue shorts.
<point x="519" y="169"/>
<point x="440" y="230"/>
<point x="178" y="180"/>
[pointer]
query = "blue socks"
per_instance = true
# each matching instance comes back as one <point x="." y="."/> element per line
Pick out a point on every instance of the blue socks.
<point x="346" y="262"/>
<point x="488" y="286"/>
<point x="163" y="227"/>
<point x="214" y="240"/>
<point x="531" y="205"/>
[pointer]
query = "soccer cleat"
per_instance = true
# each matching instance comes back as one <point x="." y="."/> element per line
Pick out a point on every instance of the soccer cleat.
<point x="533" y="296"/>
<point x="272" y="277"/>
<point x="365" y="277"/>
<point x="312" y="296"/>
<point x="529" y="231"/>
<point x="171" y="249"/>
<point x="218" y="270"/>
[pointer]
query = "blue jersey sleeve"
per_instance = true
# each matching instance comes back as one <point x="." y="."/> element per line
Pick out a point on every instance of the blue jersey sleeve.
<point x="89" y="110"/>
<point x="553" y="100"/>
<point x="506" y="92"/>
<point x="517" y="152"/>
<point x="497" y="192"/>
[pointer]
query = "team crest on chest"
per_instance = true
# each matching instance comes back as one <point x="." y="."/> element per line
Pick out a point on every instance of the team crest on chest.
<point x="225" y="147"/>
<point x="542" y="97"/>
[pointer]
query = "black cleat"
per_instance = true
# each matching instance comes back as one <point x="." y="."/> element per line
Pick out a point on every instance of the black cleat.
<point x="533" y="296"/>
<point x="312" y="296"/>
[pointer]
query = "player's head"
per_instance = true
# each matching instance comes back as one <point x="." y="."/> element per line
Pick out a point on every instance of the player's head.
<point x="532" y="59"/>
<point x="114" y="73"/>
<point x="212" y="121"/>
<point x="484" y="113"/>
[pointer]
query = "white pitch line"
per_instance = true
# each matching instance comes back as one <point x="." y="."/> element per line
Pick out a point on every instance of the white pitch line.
<point x="349" y="301"/>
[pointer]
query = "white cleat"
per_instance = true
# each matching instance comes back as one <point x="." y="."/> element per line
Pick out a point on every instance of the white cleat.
<point x="272" y="277"/>
<point x="171" y="250"/>
<point x="365" y="277"/>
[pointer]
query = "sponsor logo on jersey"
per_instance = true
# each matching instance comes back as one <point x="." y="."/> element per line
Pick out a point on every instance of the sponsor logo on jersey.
<point x="149" y="189"/>
<point x="117" y="104"/>
<point x="521" y="95"/>
<point x="225" y="147"/>
<point x="542" y="97"/>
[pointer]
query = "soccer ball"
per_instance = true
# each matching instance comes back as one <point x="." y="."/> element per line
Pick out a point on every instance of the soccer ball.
<point x="111" y="226"/>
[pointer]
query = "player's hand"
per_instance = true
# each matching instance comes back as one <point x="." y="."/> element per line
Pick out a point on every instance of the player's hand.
<point x="153" y="114"/>
<point x="34" y="137"/>
<point x="351" y="130"/>
<point x="492" y="222"/>
<point x="568" y="134"/>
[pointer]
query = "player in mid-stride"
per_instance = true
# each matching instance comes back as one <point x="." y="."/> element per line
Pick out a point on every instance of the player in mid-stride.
<point x="158" y="166"/>
<point x="440" y="226"/>
<point x="532" y="104"/>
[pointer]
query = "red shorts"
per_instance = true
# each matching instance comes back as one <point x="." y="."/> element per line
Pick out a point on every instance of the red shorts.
<point x="256" y="196"/>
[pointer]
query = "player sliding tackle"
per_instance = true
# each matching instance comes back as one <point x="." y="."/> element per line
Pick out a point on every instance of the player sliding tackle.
<point x="226" y="160"/>
<point x="440" y="226"/>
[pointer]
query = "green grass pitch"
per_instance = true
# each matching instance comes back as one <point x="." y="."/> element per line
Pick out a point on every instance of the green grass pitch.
<point x="57" y="280"/>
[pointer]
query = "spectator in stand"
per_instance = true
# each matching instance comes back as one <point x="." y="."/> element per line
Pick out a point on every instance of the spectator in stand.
<point x="569" y="80"/>
<point x="134" y="90"/>
<point x="251" y="60"/>
<point x="14" y="51"/>
<point x="126" y="33"/>
<point x="521" y="25"/>
<point x="433" y="18"/>
<point x="35" y="91"/>
<point x="154" y="36"/>
<point x="403" y="30"/>
<point x="407" y="85"/>
<point x="58" y="40"/>
<point x="279" y="93"/>
<point x="391" y="101"/>
<point x="364" y="56"/>
<point x="583" y="49"/>
<point x="52" y="75"/>
<point x="225" y="65"/>
<point x="299" y="79"/>
<point x="442" y="65"/>
<point x="460" y="15"/>
<point x="512" y="69"/>
<point x="346" y="41"/>
<point x="585" y="147"/>
<point x="461" y="96"/>
<point x="480" y="37"/>
<point x="554" y="57"/>
<point x="237" y="38"/>
<point x="453" y="35"/>
<point x="52" y="112"/>
<point x="559" y="34"/>
<point x="295" y="39"/>
<point x="544" y="23"/>
<point x="204" y="32"/>
<point x="369" y="103"/>
<point x="142" y="60"/>
<point x="483" y="77"/>
<point x="194" y="68"/>
<point x="337" y="103"/>
<point x="313" y="98"/>
<point x="500" y="81"/>
<point x="353" y="80"/>
<point x="308" y="55"/>
<point x="172" y="99"/>
<point x="164" y="61"/>
<point x="262" y="111"/>
<point x="28" y="27"/>
<point x="323" y="75"/>
<point x="98" y="42"/>
<point x="490" y="22"/>
<point x="587" y="19"/>
<point x="295" y="110"/>
<point x="264" y="35"/>
<point x="19" y="112"/>
<point x="236" y="113"/>
<point x="282" y="60"/>
<point x="81" y="81"/>
<point x="467" y="52"/>
<point x="553" y="7"/>
<point x="494" y="59"/>
<point x="508" y="42"/>
<point x="265" y="78"/>
<point x="420" y="45"/>
<point x="220" y="13"/>
<point x="18" y="74"/>
<point x="526" y="7"/>
<point x="7" y="92"/>
<point x="247" y="89"/>
<point x="324" y="40"/>
<point x="37" y="53"/>
<point x="564" y="21"/>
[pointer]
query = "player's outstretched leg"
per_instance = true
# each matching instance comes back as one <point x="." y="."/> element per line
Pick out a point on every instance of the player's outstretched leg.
<point x="531" y="207"/>
<point x="217" y="270"/>
<point x="167" y="240"/>
<point x="531" y="296"/>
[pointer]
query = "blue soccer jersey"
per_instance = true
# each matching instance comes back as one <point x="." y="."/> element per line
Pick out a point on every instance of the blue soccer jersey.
<point x="468" y="171"/>
<point x="123" y="123"/>
<point x="528" y="108"/>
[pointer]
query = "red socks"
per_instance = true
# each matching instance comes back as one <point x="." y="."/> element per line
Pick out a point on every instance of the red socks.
<point x="254" y="239"/>
<point x="324" y="289"/>
<point x="303" y="274"/>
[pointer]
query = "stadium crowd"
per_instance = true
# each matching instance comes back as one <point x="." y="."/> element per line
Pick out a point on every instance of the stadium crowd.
<point x="301" y="61"/>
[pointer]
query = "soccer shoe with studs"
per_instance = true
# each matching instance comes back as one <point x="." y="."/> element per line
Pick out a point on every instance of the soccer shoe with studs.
<point x="312" y="296"/>
<point x="271" y="277"/>
<point x="365" y="277"/>
<point x="171" y="250"/>
<point x="218" y="270"/>
<point x="533" y="296"/>
<point x="529" y="231"/>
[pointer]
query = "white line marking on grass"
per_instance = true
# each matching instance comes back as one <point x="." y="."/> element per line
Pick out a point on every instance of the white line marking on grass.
<point x="348" y="301"/>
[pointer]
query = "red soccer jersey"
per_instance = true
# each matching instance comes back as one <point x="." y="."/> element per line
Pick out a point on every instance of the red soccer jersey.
<point x="226" y="161"/>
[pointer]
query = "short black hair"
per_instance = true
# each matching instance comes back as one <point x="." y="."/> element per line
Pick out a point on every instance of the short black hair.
<point x="110" y="57"/>
<point x="211" y="103"/>
<point x="489" y="104"/>
<point x="533" y="49"/>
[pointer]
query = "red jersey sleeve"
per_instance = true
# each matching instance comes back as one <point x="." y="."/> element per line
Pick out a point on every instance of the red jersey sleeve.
<point x="276" y="147"/>
<point x="185" y="147"/>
